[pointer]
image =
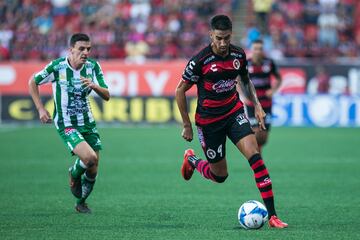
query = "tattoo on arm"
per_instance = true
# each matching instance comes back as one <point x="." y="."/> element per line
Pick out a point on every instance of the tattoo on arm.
<point x="249" y="89"/>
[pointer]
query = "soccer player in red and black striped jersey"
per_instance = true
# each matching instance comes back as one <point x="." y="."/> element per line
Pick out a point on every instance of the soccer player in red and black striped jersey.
<point x="217" y="70"/>
<point x="260" y="70"/>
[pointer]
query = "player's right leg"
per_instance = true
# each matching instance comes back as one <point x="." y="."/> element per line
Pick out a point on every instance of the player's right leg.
<point x="72" y="138"/>
<point x="215" y="168"/>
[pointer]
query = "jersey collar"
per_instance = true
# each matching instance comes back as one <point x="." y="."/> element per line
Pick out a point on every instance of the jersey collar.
<point x="68" y="63"/>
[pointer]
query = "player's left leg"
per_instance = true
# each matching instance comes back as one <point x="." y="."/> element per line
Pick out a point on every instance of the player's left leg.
<point x="241" y="134"/>
<point x="248" y="147"/>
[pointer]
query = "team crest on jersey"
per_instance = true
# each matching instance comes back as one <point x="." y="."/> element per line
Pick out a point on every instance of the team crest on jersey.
<point x="236" y="64"/>
<point x="266" y="68"/>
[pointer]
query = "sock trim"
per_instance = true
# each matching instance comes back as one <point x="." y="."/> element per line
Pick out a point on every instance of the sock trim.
<point x="81" y="163"/>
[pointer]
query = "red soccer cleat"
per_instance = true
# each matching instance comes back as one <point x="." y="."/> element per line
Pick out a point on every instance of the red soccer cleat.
<point x="275" y="222"/>
<point x="187" y="169"/>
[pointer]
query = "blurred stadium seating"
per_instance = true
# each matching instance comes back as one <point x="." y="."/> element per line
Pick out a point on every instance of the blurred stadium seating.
<point x="39" y="29"/>
<point x="306" y="28"/>
<point x="163" y="29"/>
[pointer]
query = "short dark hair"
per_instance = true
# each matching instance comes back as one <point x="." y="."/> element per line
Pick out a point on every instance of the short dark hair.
<point x="78" y="37"/>
<point x="221" y="22"/>
<point x="257" y="41"/>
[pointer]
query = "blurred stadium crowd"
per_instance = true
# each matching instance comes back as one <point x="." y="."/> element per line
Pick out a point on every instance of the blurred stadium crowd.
<point x="169" y="29"/>
<point x="306" y="28"/>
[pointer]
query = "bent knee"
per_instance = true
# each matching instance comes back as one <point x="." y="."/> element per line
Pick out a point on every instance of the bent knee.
<point x="91" y="160"/>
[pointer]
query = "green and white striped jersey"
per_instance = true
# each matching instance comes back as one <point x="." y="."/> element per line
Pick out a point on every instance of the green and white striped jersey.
<point x="72" y="105"/>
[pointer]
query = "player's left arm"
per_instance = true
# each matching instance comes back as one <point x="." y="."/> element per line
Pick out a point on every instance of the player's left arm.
<point x="248" y="88"/>
<point x="97" y="83"/>
<point x="274" y="71"/>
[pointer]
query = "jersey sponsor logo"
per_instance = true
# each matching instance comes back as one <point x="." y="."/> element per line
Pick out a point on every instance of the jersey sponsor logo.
<point x="75" y="111"/>
<point x="213" y="67"/>
<point x="210" y="153"/>
<point x="60" y="66"/>
<point x="63" y="81"/>
<point x="224" y="85"/>
<point x="265" y="182"/>
<point x="236" y="64"/>
<point x="209" y="59"/>
<point x="237" y="55"/>
<point x="191" y="65"/>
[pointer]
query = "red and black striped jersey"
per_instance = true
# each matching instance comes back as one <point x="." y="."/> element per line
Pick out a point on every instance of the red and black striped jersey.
<point x="216" y="79"/>
<point x="260" y="75"/>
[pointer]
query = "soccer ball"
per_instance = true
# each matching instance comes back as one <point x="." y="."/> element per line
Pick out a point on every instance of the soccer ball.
<point x="252" y="215"/>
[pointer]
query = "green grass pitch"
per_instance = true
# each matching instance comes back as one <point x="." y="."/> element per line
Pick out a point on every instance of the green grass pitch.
<point x="141" y="195"/>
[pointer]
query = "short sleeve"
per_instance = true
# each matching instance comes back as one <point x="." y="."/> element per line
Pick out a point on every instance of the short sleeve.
<point x="192" y="72"/>
<point x="243" y="70"/>
<point x="99" y="76"/>
<point x="46" y="75"/>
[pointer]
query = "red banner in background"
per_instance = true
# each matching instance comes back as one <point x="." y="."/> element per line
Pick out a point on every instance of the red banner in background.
<point x="150" y="79"/>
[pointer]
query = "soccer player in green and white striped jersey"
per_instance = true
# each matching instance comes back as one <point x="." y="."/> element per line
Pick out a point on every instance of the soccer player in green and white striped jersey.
<point x="73" y="78"/>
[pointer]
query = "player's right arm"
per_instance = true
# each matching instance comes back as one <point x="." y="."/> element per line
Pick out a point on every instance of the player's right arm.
<point x="190" y="77"/>
<point x="44" y="76"/>
<point x="180" y="95"/>
<point x="44" y="115"/>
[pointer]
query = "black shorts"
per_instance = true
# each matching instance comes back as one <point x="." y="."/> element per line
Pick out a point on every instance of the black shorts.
<point x="213" y="136"/>
<point x="250" y="113"/>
